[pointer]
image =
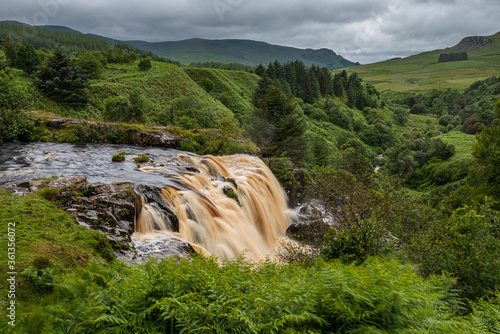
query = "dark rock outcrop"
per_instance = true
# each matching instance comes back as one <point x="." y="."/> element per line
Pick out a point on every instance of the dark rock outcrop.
<point x="110" y="209"/>
<point x="473" y="43"/>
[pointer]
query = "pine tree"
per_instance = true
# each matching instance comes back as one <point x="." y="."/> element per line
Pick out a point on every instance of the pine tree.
<point x="62" y="81"/>
<point x="338" y="86"/>
<point x="278" y="127"/>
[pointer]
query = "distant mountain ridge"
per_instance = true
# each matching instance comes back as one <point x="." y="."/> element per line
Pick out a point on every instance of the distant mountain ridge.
<point x="246" y="52"/>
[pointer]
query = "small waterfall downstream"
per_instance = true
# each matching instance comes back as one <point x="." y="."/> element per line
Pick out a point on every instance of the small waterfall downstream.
<point x="233" y="204"/>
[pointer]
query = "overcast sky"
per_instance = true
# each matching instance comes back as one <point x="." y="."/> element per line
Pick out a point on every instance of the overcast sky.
<point x="360" y="30"/>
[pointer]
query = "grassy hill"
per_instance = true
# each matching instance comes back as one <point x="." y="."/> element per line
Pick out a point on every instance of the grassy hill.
<point x="245" y="52"/>
<point x="423" y="71"/>
<point x="234" y="89"/>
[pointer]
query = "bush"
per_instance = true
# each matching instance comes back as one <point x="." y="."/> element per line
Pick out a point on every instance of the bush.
<point x="467" y="245"/>
<point x="145" y="65"/>
<point x="15" y="125"/>
<point x="90" y="64"/>
<point x="13" y="95"/>
<point x="203" y="295"/>
<point x="125" y="109"/>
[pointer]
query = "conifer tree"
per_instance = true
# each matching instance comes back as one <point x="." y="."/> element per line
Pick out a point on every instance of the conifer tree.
<point x="63" y="81"/>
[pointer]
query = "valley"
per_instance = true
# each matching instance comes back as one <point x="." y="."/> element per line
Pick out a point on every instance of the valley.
<point x="279" y="193"/>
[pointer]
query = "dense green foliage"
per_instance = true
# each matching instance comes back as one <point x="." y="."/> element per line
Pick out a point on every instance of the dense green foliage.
<point x="53" y="40"/>
<point x="27" y="59"/>
<point x="455" y="56"/>
<point x="203" y="296"/>
<point x="472" y="107"/>
<point x="63" y="81"/>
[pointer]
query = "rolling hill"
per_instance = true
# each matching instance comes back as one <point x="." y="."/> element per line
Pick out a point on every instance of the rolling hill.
<point x="245" y="52"/>
<point x="423" y="71"/>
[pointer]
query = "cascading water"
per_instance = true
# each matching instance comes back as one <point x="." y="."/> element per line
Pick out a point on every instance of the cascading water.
<point x="223" y="206"/>
<point x="210" y="220"/>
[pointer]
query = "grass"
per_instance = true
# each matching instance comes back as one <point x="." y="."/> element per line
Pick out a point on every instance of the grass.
<point x="422" y="71"/>
<point x="161" y="86"/>
<point x="233" y="88"/>
<point x="41" y="230"/>
<point x="462" y="141"/>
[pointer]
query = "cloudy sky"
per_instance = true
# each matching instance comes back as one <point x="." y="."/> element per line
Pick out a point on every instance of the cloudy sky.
<point x="360" y="30"/>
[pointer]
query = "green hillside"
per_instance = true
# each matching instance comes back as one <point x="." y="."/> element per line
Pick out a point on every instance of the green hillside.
<point x="232" y="88"/>
<point x="245" y="52"/>
<point x="73" y="41"/>
<point x="423" y="71"/>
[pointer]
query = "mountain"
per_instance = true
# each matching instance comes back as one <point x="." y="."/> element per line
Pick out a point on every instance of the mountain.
<point x="61" y="29"/>
<point x="247" y="52"/>
<point x="423" y="71"/>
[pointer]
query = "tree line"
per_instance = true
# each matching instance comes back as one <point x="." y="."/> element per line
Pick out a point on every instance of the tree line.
<point x="314" y="82"/>
<point x="454" y="56"/>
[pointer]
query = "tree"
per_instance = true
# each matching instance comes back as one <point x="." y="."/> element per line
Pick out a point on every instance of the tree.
<point x="487" y="153"/>
<point x="11" y="45"/>
<point x="338" y="86"/>
<point x="90" y="64"/>
<point x="63" y="81"/>
<point x="126" y="109"/>
<point x="278" y="126"/>
<point x="27" y="59"/>
<point x="145" y="64"/>
<point x="401" y="115"/>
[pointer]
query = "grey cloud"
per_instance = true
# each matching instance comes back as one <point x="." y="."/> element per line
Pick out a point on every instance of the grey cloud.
<point x="360" y="30"/>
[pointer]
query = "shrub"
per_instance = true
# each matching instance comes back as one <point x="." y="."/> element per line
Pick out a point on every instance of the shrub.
<point x="466" y="245"/>
<point x="13" y="95"/>
<point x="201" y="295"/>
<point x="90" y="64"/>
<point x="15" y="125"/>
<point x="207" y="84"/>
<point x="144" y="65"/>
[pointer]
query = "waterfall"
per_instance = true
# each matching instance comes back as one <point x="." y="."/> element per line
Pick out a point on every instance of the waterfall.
<point x="233" y="204"/>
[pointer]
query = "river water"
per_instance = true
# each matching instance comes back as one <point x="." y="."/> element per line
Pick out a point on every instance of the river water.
<point x="195" y="189"/>
<point x="21" y="162"/>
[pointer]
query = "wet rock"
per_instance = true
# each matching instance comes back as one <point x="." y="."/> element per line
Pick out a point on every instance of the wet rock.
<point x="309" y="224"/>
<point x="108" y="208"/>
<point x="160" y="248"/>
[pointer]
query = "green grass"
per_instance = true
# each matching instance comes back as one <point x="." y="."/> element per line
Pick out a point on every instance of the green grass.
<point x="463" y="143"/>
<point x="41" y="230"/>
<point x="233" y="88"/>
<point x="161" y="86"/>
<point x="422" y="71"/>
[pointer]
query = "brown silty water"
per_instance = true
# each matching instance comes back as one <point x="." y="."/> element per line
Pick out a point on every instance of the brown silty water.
<point x="210" y="220"/>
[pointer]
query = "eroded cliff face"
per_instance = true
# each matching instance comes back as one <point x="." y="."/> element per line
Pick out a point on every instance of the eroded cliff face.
<point x="473" y="43"/>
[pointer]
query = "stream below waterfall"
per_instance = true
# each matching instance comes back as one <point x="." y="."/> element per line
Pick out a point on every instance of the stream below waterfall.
<point x="222" y="206"/>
